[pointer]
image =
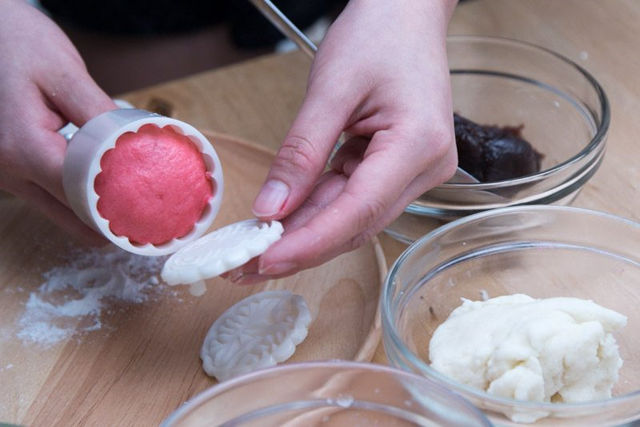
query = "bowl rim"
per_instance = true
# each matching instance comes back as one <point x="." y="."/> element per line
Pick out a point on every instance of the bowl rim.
<point x="389" y="330"/>
<point x="248" y="378"/>
<point x="596" y="141"/>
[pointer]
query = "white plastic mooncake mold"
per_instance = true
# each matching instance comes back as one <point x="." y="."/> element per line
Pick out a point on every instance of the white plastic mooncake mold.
<point x="82" y="165"/>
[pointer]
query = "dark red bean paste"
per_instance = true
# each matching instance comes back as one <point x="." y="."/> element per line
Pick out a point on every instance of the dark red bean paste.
<point x="493" y="153"/>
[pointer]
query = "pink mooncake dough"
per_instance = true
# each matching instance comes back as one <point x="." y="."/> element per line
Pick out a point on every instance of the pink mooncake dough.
<point x="154" y="185"/>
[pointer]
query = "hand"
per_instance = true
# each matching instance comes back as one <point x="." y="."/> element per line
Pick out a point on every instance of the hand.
<point x="381" y="76"/>
<point x="43" y="85"/>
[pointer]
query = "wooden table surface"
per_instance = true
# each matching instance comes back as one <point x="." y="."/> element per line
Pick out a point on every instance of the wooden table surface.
<point x="257" y="100"/>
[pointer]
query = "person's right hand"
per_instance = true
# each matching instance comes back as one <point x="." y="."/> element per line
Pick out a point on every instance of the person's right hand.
<point x="43" y="85"/>
<point x="381" y="76"/>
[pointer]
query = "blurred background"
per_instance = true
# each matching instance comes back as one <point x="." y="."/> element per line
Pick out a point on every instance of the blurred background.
<point x="130" y="44"/>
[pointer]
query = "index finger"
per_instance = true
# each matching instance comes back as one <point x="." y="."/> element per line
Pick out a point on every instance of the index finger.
<point x="374" y="186"/>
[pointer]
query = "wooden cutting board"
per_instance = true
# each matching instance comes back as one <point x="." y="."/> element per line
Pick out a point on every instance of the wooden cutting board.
<point x="144" y="360"/>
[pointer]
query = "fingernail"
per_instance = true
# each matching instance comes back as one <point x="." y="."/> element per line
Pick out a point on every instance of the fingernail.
<point x="251" y="279"/>
<point x="235" y="275"/>
<point x="271" y="198"/>
<point x="278" y="268"/>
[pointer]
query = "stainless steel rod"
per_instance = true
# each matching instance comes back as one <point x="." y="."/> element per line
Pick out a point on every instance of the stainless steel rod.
<point x="286" y="27"/>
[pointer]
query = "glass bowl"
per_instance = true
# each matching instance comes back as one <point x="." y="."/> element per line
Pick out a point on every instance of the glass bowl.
<point x="337" y="393"/>
<point x="564" y="113"/>
<point x="541" y="251"/>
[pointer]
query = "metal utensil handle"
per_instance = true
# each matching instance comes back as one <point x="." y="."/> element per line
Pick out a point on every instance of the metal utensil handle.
<point x="286" y="27"/>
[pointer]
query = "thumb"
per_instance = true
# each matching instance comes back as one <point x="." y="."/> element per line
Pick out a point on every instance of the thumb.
<point x="303" y="155"/>
<point x="76" y="95"/>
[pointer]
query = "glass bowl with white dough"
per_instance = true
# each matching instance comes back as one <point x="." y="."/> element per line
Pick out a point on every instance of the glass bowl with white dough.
<point x="531" y="313"/>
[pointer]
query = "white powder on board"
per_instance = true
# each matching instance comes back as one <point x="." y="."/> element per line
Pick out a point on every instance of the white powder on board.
<point x="73" y="296"/>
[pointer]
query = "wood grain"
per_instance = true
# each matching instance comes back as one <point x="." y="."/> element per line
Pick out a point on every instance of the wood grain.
<point x="144" y="361"/>
<point x="600" y="36"/>
<point x="257" y="101"/>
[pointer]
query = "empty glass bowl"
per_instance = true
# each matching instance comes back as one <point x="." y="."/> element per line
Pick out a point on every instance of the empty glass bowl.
<point x="564" y="113"/>
<point x="335" y="393"/>
<point x="541" y="251"/>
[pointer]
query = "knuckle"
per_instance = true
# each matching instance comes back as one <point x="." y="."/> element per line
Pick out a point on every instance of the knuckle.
<point x="429" y="144"/>
<point x="441" y="140"/>
<point x="359" y="240"/>
<point x="9" y="152"/>
<point x="368" y="212"/>
<point x="448" y="165"/>
<point x="298" y="153"/>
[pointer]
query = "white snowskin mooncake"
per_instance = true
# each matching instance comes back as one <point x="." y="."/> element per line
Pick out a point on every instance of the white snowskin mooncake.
<point x="258" y="332"/>
<point x="220" y="251"/>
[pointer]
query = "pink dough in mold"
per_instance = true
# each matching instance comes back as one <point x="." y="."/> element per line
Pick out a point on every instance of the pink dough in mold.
<point x="154" y="185"/>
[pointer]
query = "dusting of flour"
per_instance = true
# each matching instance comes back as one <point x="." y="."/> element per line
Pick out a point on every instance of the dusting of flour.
<point x="72" y="297"/>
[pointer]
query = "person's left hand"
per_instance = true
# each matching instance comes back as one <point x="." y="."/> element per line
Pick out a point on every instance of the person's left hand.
<point x="381" y="76"/>
<point x="44" y="84"/>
